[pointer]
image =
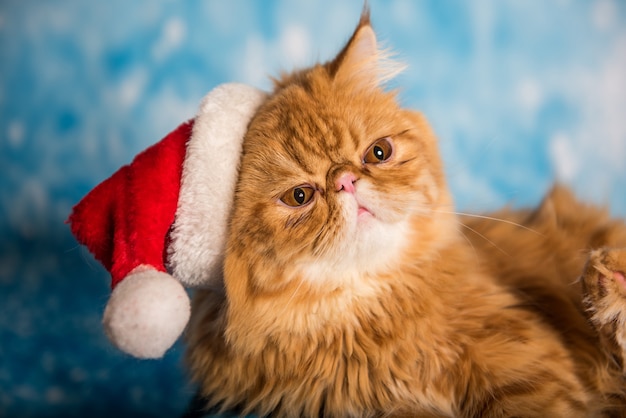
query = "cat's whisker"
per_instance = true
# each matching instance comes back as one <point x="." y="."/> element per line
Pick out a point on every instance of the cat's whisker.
<point x="491" y="218"/>
<point x="469" y="242"/>
<point x="485" y="238"/>
<point x="292" y="296"/>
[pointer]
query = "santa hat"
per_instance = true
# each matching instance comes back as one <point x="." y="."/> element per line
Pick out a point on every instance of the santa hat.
<point x="160" y="222"/>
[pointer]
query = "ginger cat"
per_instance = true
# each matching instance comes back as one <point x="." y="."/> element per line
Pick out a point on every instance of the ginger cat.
<point x="352" y="289"/>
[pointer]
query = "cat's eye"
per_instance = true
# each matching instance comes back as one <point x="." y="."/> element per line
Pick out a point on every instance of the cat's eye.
<point x="298" y="196"/>
<point x="379" y="152"/>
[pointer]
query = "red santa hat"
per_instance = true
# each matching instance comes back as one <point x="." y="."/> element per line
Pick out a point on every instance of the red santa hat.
<point x="160" y="222"/>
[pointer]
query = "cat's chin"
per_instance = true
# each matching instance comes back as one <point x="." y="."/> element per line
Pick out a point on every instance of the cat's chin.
<point x="366" y="247"/>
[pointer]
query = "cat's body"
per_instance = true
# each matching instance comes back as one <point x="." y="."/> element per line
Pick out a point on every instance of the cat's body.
<point x="352" y="288"/>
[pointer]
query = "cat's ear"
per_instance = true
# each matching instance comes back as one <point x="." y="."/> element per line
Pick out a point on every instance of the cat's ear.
<point x="361" y="62"/>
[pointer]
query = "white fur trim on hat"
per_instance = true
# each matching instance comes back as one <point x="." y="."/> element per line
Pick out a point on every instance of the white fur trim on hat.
<point x="210" y="171"/>
<point x="146" y="313"/>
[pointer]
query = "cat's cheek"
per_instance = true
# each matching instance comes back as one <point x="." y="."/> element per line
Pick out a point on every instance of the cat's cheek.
<point x="429" y="187"/>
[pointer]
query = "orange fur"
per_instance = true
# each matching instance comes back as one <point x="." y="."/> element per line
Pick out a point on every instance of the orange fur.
<point x="408" y="310"/>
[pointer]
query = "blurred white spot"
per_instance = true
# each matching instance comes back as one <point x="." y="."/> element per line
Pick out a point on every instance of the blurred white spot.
<point x="175" y="31"/>
<point x="173" y="35"/>
<point x="604" y="14"/>
<point x="606" y="101"/>
<point x="564" y="158"/>
<point x="114" y="144"/>
<point x="78" y="375"/>
<point x="5" y="400"/>
<point x="529" y="95"/>
<point x="166" y="109"/>
<point x="89" y="145"/>
<point x="131" y="88"/>
<point x="295" y="43"/>
<point x="254" y="61"/>
<point x="473" y="192"/>
<point x="55" y="395"/>
<point x="28" y="209"/>
<point x="136" y="394"/>
<point x="25" y="393"/>
<point x="16" y="133"/>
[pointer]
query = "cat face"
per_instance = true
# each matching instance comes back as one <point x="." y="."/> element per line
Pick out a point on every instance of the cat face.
<point x="335" y="177"/>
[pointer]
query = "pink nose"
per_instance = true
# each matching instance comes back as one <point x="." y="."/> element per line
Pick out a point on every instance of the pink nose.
<point x="346" y="182"/>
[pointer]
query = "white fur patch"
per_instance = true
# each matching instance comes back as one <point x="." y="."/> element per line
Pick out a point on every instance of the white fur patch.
<point x="210" y="173"/>
<point x="366" y="245"/>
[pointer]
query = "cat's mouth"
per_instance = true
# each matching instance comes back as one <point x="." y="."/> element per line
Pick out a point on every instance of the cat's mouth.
<point x="363" y="211"/>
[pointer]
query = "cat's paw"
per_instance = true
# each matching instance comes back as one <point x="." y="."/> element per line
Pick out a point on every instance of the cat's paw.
<point x="604" y="291"/>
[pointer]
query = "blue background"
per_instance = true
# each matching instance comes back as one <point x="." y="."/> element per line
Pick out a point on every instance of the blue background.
<point x="520" y="93"/>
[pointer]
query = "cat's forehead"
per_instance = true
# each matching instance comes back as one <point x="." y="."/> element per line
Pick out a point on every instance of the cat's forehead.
<point x="323" y="122"/>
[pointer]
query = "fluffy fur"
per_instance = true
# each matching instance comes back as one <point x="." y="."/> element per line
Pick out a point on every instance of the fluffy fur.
<point x="198" y="234"/>
<point x="374" y="298"/>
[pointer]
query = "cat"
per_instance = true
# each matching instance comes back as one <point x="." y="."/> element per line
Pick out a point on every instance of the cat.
<point x="353" y="289"/>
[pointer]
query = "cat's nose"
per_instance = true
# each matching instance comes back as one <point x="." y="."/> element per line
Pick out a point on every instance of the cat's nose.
<point x="345" y="182"/>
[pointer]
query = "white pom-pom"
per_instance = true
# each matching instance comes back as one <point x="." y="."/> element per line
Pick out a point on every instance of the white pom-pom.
<point x="146" y="313"/>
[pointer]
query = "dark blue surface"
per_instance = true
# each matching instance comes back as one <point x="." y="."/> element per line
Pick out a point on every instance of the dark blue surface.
<point x="519" y="92"/>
